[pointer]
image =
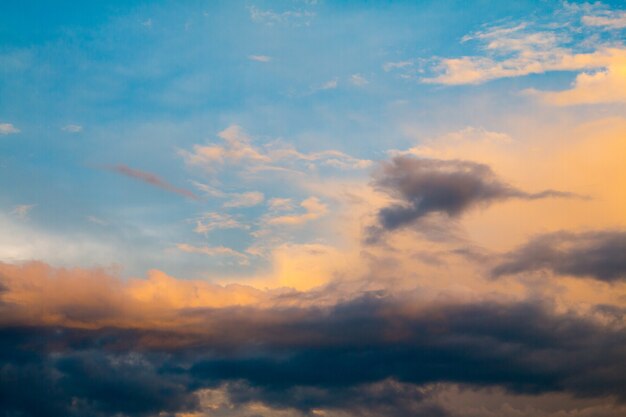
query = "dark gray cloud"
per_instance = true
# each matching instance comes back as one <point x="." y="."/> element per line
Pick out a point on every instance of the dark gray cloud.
<point x="598" y="254"/>
<point x="308" y="358"/>
<point x="425" y="186"/>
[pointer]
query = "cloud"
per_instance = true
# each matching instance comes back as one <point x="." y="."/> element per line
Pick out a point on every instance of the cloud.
<point x="72" y="128"/>
<point x="21" y="211"/>
<point x="248" y="199"/>
<point x="212" y="221"/>
<point x="91" y="344"/>
<point x="599" y="255"/>
<point x="259" y="58"/>
<point x="314" y="209"/>
<point x="605" y="85"/>
<point x="329" y="85"/>
<point x="612" y="19"/>
<point x="358" y="80"/>
<point x="521" y="49"/>
<point x="97" y="220"/>
<point x="292" y="17"/>
<point x="276" y="204"/>
<point x="237" y="149"/>
<point x="151" y="179"/>
<point x="213" y="251"/>
<point x="8" y="129"/>
<point x="449" y="187"/>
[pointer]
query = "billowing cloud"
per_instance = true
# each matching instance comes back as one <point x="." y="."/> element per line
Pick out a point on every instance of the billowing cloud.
<point x="450" y="187"/>
<point x="599" y="255"/>
<point x="151" y="179"/>
<point x="91" y="344"/>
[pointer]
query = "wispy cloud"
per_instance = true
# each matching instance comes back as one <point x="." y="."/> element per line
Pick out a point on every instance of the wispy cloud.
<point x="152" y="179"/>
<point x="97" y="220"/>
<point x="8" y="129"/>
<point x="248" y="199"/>
<point x="259" y="58"/>
<point x="358" y="80"/>
<point x="301" y="17"/>
<point x="72" y="128"/>
<point x="214" y="251"/>
<point x="237" y="149"/>
<point x="314" y="209"/>
<point x="212" y="221"/>
<point x="21" y="211"/>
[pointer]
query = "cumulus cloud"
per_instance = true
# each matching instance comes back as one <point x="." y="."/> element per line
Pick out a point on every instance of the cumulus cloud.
<point x="151" y="179"/>
<point x="8" y="129"/>
<point x="599" y="255"/>
<point x="450" y="187"/>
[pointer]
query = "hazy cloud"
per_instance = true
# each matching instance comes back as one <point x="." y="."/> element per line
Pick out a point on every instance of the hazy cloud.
<point x="8" y="129"/>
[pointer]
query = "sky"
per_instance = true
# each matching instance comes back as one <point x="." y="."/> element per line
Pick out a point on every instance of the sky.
<point x="309" y="208"/>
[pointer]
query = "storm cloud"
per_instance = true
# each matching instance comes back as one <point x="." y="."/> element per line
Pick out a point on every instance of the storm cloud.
<point x="309" y="358"/>
<point x="449" y="187"/>
<point x="598" y="254"/>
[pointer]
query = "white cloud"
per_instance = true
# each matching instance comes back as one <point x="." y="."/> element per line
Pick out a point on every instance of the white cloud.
<point x="237" y="149"/>
<point x="248" y="199"/>
<point x="22" y="210"/>
<point x="329" y="85"/>
<point x="358" y="80"/>
<point x="96" y="220"/>
<point x="522" y="49"/>
<point x="292" y="17"/>
<point x="8" y="129"/>
<point x="260" y="58"/>
<point x="72" y="128"/>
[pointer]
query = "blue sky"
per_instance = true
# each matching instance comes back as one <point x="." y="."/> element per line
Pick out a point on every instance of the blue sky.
<point x="92" y="86"/>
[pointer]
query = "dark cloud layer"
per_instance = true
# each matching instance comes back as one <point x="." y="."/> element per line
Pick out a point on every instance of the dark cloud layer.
<point x="310" y="358"/>
<point x="599" y="254"/>
<point x="425" y="186"/>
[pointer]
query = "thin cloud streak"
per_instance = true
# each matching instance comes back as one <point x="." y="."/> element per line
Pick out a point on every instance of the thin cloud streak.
<point x="152" y="179"/>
